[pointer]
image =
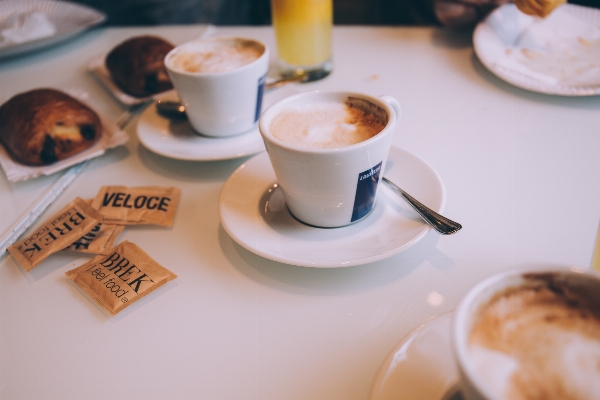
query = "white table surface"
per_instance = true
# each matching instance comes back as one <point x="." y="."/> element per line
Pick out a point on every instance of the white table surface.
<point x="521" y="172"/>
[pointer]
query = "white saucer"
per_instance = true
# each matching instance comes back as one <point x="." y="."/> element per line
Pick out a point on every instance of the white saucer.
<point x="177" y="139"/>
<point x="255" y="216"/>
<point x="553" y="55"/>
<point x="421" y="367"/>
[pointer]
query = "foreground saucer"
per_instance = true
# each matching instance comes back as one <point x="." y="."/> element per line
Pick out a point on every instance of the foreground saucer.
<point x="254" y="214"/>
<point x="421" y="367"/>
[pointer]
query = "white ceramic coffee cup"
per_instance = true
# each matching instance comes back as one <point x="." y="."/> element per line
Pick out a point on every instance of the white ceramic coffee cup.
<point x="474" y="386"/>
<point x="322" y="187"/>
<point x="220" y="103"/>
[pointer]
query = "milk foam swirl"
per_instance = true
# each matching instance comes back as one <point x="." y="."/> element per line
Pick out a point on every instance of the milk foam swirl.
<point x="326" y="124"/>
<point x="212" y="56"/>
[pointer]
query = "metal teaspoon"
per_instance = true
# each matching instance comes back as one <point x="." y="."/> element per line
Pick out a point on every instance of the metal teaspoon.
<point x="438" y="222"/>
<point x="174" y="109"/>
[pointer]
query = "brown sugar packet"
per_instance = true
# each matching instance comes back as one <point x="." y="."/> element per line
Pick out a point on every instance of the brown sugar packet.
<point x="123" y="205"/>
<point x="98" y="240"/>
<point x="72" y="222"/>
<point x="120" y="277"/>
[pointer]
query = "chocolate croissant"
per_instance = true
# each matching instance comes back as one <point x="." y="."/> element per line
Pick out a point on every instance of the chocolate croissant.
<point x="43" y="126"/>
<point x="137" y="65"/>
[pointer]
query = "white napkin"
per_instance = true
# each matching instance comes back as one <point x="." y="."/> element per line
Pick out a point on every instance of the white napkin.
<point x="25" y="27"/>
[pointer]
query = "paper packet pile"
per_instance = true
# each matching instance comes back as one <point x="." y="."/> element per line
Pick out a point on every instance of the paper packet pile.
<point x="119" y="275"/>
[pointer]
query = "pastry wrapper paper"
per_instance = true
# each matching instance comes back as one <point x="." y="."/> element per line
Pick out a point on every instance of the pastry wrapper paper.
<point x="111" y="137"/>
<point x="97" y="67"/>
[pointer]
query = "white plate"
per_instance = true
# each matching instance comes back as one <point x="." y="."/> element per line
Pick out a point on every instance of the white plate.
<point x="177" y="139"/>
<point x="421" y="367"/>
<point x="559" y="54"/>
<point x="68" y="19"/>
<point x="256" y="217"/>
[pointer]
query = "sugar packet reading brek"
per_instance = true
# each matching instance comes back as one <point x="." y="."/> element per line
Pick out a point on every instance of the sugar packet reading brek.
<point x="123" y="205"/>
<point x="98" y="240"/>
<point x="120" y="277"/>
<point x="72" y="222"/>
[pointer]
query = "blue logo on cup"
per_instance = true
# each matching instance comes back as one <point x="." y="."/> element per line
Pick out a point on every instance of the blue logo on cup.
<point x="365" y="192"/>
<point x="259" y="96"/>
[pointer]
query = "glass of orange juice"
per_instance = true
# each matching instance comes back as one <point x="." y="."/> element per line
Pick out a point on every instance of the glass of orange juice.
<point x="303" y="34"/>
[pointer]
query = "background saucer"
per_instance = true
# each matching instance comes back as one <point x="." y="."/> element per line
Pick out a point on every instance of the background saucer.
<point x="556" y="55"/>
<point x="255" y="216"/>
<point x="177" y="139"/>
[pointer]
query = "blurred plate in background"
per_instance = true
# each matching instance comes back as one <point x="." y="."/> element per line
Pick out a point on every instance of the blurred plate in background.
<point x="67" y="19"/>
<point x="559" y="54"/>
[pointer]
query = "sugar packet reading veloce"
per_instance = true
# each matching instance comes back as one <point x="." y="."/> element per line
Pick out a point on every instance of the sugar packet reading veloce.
<point x="123" y="205"/>
<point x="72" y="222"/>
<point x="120" y="277"/>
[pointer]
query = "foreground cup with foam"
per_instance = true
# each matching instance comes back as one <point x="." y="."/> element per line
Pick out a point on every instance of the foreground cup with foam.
<point x="328" y="150"/>
<point x="530" y="335"/>
<point x="220" y="81"/>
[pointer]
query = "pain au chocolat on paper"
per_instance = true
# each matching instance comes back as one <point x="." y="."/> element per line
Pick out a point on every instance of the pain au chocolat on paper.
<point x="541" y="8"/>
<point x="137" y="65"/>
<point x="43" y="126"/>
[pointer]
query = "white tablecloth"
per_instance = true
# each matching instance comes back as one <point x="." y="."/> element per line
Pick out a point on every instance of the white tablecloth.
<point x="521" y="172"/>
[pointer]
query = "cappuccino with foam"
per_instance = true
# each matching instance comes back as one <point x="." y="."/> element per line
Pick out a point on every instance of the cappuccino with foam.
<point x="539" y="340"/>
<point x="329" y="124"/>
<point x="215" y="55"/>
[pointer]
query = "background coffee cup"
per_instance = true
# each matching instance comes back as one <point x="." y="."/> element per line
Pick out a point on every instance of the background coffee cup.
<point x="330" y="187"/>
<point x="559" y="351"/>
<point x="223" y="103"/>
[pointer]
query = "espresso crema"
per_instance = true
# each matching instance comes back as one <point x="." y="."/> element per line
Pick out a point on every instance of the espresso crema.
<point x="210" y="56"/>
<point x="538" y="341"/>
<point x="329" y="124"/>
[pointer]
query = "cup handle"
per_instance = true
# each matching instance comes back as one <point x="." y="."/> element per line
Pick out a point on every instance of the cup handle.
<point x="395" y="105"/>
